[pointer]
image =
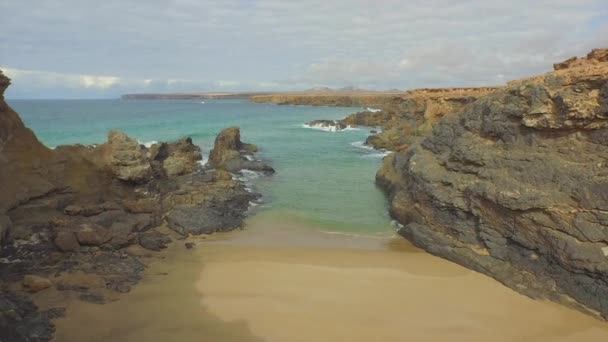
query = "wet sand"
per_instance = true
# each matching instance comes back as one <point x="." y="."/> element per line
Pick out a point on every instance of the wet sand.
<point x="280" y="280"/>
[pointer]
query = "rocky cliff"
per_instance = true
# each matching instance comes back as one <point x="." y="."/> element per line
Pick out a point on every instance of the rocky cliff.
<point x="70" y="217"/>
<point x="515" y="185"/>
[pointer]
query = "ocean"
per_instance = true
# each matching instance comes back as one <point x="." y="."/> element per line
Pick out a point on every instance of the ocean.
<point x="323" y="178"/>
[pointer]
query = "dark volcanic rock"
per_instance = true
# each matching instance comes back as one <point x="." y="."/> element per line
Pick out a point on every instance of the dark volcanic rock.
<point x="231" y="154"/>
<point x="20" y="320"/>
<point x="154" y="240"/>
<point x="332" y="125"/>
<point x="197" y="220"/>
<point x="514" y="186"/>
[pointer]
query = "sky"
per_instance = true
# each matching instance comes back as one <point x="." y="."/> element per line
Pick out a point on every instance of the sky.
<point x="102" y="49"/>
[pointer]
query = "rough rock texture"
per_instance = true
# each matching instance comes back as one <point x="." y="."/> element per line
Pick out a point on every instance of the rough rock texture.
<point x="22" y="156"/>
<point x="230" y="154"/>
<point x="77" y="216"/>
<point x="20" y="319"/>
<point x="177" y="158"/>
<point x="127" y="158"/>
<point x="515" y="185"/>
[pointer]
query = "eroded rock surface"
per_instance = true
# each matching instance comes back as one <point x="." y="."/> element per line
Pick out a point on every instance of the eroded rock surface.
<point x="231" y="154"/>
<point x="85" y="217"/>
<point x="514" y="185"/>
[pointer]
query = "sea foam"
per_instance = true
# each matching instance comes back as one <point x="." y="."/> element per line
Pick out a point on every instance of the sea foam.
<point x="330" y="128"/>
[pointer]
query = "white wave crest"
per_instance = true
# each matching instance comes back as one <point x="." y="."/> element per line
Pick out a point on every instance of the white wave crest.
<point x="147" y="144"/>
<point x="373" y="153"/>
<point x="330" y="128"/>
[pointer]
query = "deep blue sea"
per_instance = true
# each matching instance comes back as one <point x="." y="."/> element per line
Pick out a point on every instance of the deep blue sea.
<point x="326" y="178"/>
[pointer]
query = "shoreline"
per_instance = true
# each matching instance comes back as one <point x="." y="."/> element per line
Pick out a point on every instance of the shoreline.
<point x="237" y="286"/>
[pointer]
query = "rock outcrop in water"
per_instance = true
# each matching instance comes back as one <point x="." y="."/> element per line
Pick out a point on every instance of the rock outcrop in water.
<point x="231" y="154"/>
<point x="514" y="185"/>
<point x="73" y="218"/>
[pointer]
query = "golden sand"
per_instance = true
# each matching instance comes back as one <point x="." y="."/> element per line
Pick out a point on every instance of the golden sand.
<point x="279" y="280"/>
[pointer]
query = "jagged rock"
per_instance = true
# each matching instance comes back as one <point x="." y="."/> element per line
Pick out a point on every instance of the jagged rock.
<point x="127" y="158"/>
<point x="594" y="57"/>
<point x="66" y="241"/>
<point x="230" y="154"/>
<point x="34" y="283"/>
<point x="90" y="234"/>
<point x="64" y="200"/>
<point x="514" y="185"/>
<point x="177" y="158"/>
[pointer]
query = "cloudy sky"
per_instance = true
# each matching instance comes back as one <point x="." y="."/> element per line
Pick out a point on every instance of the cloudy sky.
<point x="89" y="49"/>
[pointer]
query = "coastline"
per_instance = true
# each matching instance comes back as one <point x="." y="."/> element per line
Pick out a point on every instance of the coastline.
<point x="270" y="280"/>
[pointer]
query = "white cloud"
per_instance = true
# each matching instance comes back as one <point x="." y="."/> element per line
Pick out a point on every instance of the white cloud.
<point x="182" y="44"/>
<point x="50" y="78"/>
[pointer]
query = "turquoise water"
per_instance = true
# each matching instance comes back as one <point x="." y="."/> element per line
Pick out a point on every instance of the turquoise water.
<point x="321" y="177"/>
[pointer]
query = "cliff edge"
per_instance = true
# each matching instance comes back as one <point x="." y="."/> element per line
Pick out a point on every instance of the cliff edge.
<point x="515" y="185"/>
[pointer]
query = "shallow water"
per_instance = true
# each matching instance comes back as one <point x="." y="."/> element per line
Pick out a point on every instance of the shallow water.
<point x="282" y="280"/>
<point x="321" y="176"/>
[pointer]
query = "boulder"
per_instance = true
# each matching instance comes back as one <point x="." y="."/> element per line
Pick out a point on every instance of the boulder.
<point x="90" y="234"/>
<point x="177" y="158"/>
<point x="154" y="240"/>
<point x="127" y="158"/>
<point x="66" y="241"/>
<point x="34" y="283"/>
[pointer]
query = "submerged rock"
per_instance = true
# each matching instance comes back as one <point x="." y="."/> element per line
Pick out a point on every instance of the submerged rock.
<point x="514" y="185"/>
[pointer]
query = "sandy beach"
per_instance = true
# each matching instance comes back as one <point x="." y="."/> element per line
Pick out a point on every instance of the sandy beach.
<point x="279" y="280"/>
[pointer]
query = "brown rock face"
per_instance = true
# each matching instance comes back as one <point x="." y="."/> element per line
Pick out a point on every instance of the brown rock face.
<point x="230" y="154"/>
<point x="66" y="241"/>
<point x="22" y="157"/>
<point x="178" y="158"/>
<point x="90" y="234"/>
<point x="514" y="185"/>
<point x="595" y="56"/>
<point x="227" y="146"/>
<point x="127" y="158"/>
